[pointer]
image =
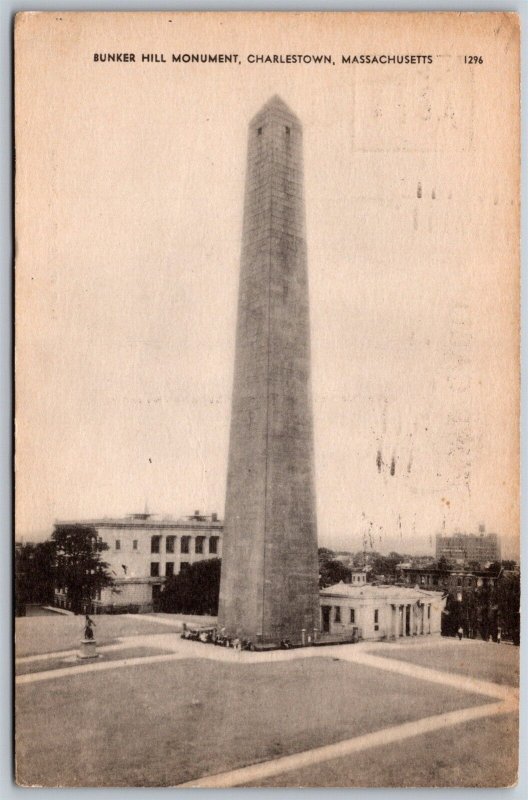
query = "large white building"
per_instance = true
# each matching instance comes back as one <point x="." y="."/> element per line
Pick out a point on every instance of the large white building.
<point x="144" y="550"/>
<point x="352" y="612"/>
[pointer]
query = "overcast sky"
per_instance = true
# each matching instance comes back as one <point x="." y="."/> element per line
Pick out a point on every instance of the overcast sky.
<point x="130" y="199"/>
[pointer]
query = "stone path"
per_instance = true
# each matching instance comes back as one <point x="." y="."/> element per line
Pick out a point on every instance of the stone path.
<point x="318" y="755"/>
<point x="364" y="653"/>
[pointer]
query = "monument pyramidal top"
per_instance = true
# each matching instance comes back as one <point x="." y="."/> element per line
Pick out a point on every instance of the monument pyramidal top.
<point x="275" y="106"/>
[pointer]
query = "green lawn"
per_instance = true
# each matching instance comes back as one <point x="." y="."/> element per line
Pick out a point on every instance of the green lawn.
<point x="485" y="660"/>
<point x="35" y="635"/>
<point x="162" y="724"/>
<point x="482" y="753"/>
<point x="59" y="662"/>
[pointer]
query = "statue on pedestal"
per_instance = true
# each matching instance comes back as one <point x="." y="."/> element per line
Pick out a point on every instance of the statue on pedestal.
<point x="89" y="624"/>
<point x="88" y="647"/>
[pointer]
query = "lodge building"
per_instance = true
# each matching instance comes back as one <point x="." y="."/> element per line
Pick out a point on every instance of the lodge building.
<point x="369" y="612"/>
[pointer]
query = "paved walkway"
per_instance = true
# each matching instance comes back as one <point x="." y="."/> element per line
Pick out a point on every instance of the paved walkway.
<point x="318" y="755"/>
<point x="363" y="653"/>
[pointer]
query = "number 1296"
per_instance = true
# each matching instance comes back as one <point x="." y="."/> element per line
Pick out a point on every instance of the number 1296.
<point x="473" y="60"/>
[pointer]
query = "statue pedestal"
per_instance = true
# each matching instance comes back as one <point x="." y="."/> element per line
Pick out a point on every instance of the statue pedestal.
<point x="88" y="649"/>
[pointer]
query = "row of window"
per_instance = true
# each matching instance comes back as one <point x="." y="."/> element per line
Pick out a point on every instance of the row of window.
<point x="352" y="620"/>
<point x="337" y="617"/>
<point x="169" y="568"/>
<point x="170" y="543"/>
<point x="286" y="128"/>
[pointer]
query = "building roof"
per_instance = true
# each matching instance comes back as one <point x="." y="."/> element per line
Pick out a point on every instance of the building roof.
<point x="151" y="521"/>
<point x="388" y="593"/>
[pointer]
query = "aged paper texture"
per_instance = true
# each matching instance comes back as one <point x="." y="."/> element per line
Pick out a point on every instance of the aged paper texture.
<point x="267" y="267"/>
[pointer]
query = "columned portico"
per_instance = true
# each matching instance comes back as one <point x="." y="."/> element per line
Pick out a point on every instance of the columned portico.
<point x="380" y="612"/>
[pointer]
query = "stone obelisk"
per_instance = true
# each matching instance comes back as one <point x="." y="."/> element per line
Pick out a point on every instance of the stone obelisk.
<point x="269" y="583"/>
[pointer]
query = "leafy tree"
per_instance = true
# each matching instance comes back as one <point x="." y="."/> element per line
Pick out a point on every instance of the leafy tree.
<point x="483" y="610"/>
<point x="34" y="574"/>
<point x="195" y="590"/>
<point x="78" y="565"/>
<point x="331" y="570"/>
<point x="508" y="598"/>
<point x="452" y="617"/>
<point x="386" y="565"/>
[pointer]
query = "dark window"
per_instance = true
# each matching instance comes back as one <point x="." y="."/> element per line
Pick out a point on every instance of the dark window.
<point x="118" y="544"/>
<point x="135" y="544"/>
<point x="213" y="544"/>
<point x="185" y="544"/>
<point x="259" y="131"/>
<point x="428" y="612"/>
<point x="170" y="544"/>
<point x="155" y="544"/>
<point x="169" y="569"/>
<point x="199" y="544"/>
<point x="376" y="619"/>
<point x="352" y="615"/>
<point x="154" y="569"/>
<point x="184" y="565"/>
<point x="287" y="131"/>
<point x="337" y="617"/>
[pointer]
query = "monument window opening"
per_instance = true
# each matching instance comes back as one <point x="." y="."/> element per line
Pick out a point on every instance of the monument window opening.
<point x="199" y="544"/>
<point x="259" y="131"/>
<point x="352" y="616"/>
<point x="337" y="617"/>
<point x="376" y="619"/>
<point x="169" y="569"/>
<point x="118" y="544"/>
<point x="185" y="544"/>
<point x="154" y="569"/>
<point x="169" y="544"/>
<point x="135" y="544"/>
<point x="287" y="131"/>
<point x="155" y="544"/>
<point x="428" y="612"/>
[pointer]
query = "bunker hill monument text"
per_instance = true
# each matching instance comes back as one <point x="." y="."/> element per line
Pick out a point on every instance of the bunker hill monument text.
<point x="269" y="583"/>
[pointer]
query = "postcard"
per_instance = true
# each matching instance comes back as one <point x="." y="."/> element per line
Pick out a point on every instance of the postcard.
<point x="267" y="399"/>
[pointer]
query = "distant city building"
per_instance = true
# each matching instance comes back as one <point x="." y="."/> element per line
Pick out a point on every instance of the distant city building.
<point x="379" y="612"/>
<point x="454" y="581"/>
<point x="143" y="551"/>
<point x="478" y="547"/>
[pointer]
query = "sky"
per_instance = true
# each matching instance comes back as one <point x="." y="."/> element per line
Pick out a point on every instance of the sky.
<point x="130" y="184"/>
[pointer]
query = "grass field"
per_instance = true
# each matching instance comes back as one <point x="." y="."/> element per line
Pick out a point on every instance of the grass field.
<point x="489" y="661"/>
<point x="34" y="635"/>
<point x="477" y="753"/>
<point x="193" y="718"/>
<point x="58" y="662"/>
